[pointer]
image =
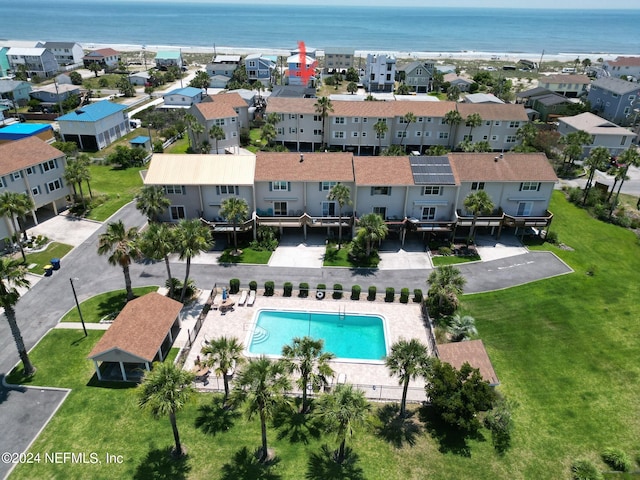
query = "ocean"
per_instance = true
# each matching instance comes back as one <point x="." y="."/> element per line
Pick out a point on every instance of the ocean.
<point x="175" y="23"/>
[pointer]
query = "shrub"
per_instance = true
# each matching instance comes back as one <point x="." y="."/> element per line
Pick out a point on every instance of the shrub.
<point x="320" y="290"/>
<point x="616" y="459"/>
<point x="288" y="287"/>
<point x="417" y="295"/>
<point x="552" y="237"/>
<point x="303" y="290"/>
<point x="268" y="288"/>
<point x="444" y="251"/>
<point x="584" y="470"/>
<point x="234" y="285"/>
<point x="575" y="195"/>
<point x="190" y="291"/>
<point x="372" y="294"/>
<point x="253" y="285"/>
<point x="337" y="291"/>
<point x="404" y="295"/>
<point x="355" y="292"/>
<point x="499" y="421"/>
<point x="321" y="287"/>
<point x="390" y="294"/>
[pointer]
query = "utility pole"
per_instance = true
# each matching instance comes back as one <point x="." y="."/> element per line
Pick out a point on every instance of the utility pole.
<point x="78" y="306"/>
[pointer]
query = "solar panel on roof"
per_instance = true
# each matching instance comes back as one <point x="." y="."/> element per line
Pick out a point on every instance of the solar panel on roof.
<point x="431" y="170"/>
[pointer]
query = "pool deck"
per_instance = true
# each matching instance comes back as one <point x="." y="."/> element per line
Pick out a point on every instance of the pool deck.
<point x="402" y="321"/>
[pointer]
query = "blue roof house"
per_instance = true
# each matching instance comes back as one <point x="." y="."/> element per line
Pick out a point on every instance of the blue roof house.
<point x="183" y="97"/>
<point x="96" y="126"/>
<point x="168" y="58"/>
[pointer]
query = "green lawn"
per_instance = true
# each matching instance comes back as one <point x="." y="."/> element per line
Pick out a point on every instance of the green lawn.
<point x="40" y="259"/>
<point x="112" y="189"/>
<point x="179" y="146"/>
<point x="104" y="304"/>
<point x="440" y="260"/>
<point x="340" y="258"/>
<point x="248" y="255"/>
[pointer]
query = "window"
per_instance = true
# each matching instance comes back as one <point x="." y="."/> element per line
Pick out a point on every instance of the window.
<point x="627" y="110"/>
<point x="443" y="135"/>
<point x="355" y="120"/>
<point x="292" y="130"/>
<point x="328" y="209"/>
<point x="514" y="125"/>
<point x="317" y="132"/>
<point x="418" y="133"/>
<point x="494" y="138"/>
<point x="468" y="138"/>
<point x="279" y="186"/>
<point x="364" y="134"/>
<point x="280" y="131"/>
<point x="511" y="139"/>
<point x="317" y="118"/>
<point x="174" y="189"/>
<point x="380" y="190"/>
<point x="380" y="135"/>
<point x="338" y="120"/>
<point x="16" y="175"/>
<point x="632" y="98"/>
<point x="220" y="122"/>
<point x="177" y="212"/>
<point x="30" y="170"/>
<point x="3" y="182"/>
<point x="401" y="134"/>
<point x="280" y="209"/>
<point x="382" y="211"/>
<point x="623" y="141"/>
<point x="252" y="63"/>
<point x="524" y="208"/>
<point x="364" y="119"/>
<point x="354" y="134"/>
<point x="53" y="186"/>
<point x="292" y="116"/>
<point x="497" y="123"/>
<point x="530" y="186"/>
<point x="50" y="165"/>
<point x="338" y="134"/>
<point x="228" y="190"/>
<point x="326" y="186"/>
<point x="431" y="190"/>
<point x="428" y="213"/>
<point x="420" y="119"/>
<point x="477" y="186"/>
<point x="35" y="190"/>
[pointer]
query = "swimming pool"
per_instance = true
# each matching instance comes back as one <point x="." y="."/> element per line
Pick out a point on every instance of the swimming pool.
<point x="348" y="336"/>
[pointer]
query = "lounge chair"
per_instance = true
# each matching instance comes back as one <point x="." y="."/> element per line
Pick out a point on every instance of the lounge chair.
<point x="342" y="378"/>
<point x="327" y="387"/>
<point x="243" y="297"/>
<point x="252" y="298"/>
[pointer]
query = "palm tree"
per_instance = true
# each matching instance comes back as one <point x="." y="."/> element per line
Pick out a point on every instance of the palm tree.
<point x="262" y="384"/>
<point x="305" y="356"/>
<point x="408" y="118"/>
<point x="12" y="205"/>
<point x="352" y="87"/>
<point x="94" y="67"/>
<point x="72" y="176"/>
<point x="164" y="391"/>
<point x="461" y="328"/>
<point x="445" y="283"/>
<point x="407" y="361"/>
<point x="268" y="133"/>
<point x="380" y="127"/>
<point x="217" y="133"/>
<point x="152" y="202"/>
<point x="158" y="242"/>
<point x="121" y="245"/>
<point x="374" y="229"/>
<point x="84" y="173"/>
<point x="477" y="203"/>
<point x="341" y="412"/>
<point x="341" y="194"/>
<point x="13" y="276"/>
<point x="574" y="143"/>
<point x="234" y="210"/>
<point x="323" y="106"/>
<point x="598" y="159"/>
<point x="627" y="158"/>
<point x="472" y="121"/>
<point x="451" y="118"/>
<point x="527" y="134"/>
<point x="453" y="93"/>
<point x="192" y="238"/>
<point x="225" y="354"/>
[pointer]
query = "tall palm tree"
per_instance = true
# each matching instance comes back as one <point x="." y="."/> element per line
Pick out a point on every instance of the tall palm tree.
<point x="305" y="356"/>
<point x="234" y="210"/>
<point x="164" y="391"/>
<point x="574" y="143"/>
<point x="158" y="242"/>
<point x="380" y="127"/>
<point x="323" y="106"/>
<point x="121" y="245"/>
<point x="72" y="177"/>
<point x="224" y="353"/>
<point x="461" y="328"/>
<point x="527" y="134"/>
<point x="407" y="361"/>
<point x="84" y="160"/>
<point x="341" y="194"/>
<point x="152" y="201"/>
<point x="262" y="385"/>
<point x="445" y="282"/>
<point x="477" y="203"/>
<point x="341" y="412"/>
<point x="598" y="159"/>
<point x="192" y="238"/>
<point x="13" y="275"/>
<point x="12" y="205"/>
<point x="268" y="133"/>
<point x="217" y="133"/>
<point x="408" y="118"/>
<point x="627" y="158"/>
<point x="452" y="118"/>
<point x="472" y="121"/>
<point x="374" y="229"/>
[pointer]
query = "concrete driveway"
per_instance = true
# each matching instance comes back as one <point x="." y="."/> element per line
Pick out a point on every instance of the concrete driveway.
<point x="295" y="251"/>
<point x="65" y="228"/>
<point x="491" y="249"/>
<point x="410" y="256"/>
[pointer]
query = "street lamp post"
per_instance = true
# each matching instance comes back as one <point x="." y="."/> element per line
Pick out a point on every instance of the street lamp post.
<point x="149" y="125"/>
<point x="78" y="306"/>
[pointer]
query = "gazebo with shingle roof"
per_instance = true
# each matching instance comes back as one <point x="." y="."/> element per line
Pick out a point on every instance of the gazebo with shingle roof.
<point x="143" y="332"/>
<point x="471" y="352"/>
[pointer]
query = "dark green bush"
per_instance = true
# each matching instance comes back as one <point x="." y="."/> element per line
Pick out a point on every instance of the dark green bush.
<point x="321" y="286"/>
<point x="616" y="459"/>
<point x="552" y="237"/>
<point x="303" y="290"/>
<point x="355" y="292"/>
<point x="417" y="295"/>
<point x="390" y="294"/>
<point x="268" y="288"/>
<point x="288" y="287"/>
<point x="584" y="470"/>
<point x="372" y="294"/>
<point x="337" y="291"/>
<point x="234" y="285"/>
<point x="404" y="295"/>
<point x="253" y="285"/>
<point x="444" y="251"/>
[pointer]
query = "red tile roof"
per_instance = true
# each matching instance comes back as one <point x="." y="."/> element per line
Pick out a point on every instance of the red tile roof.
<point x="318" y="167"/>
<point x="24" y="153"/>
<point x="472" y="352"/>
<point x="383" y="170"/>
<point x="512" y="167"/>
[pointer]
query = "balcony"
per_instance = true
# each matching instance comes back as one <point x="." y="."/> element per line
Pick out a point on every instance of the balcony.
<point x="541" y="221"/>
<point x="495" y="220"/>
<point x="220" y="225"/>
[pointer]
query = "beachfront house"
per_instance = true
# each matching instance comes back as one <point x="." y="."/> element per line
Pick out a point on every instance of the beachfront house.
<point x="338" y="59"/>
<point x="196" y="185"/>
<point x="183" y="97"/>
<point x="106" y="58"/>
<point x="36" y="61"/>
<point x="463" y="83"/>
<point x="570" y="86"/>
<point x="221" y="69"/>
<point x="603" y="132"/>
<point x="614" y="99"/>
<point x="380" y="72"/>
<point x="418" y="76"/>
<point x="260" y="67"/>
<point x="54" y="94"/>
<point x="34" y="167"/>
<point x="168" y="58"/>
<point x="66" y="53"/>
<point x="95" y="126"/>
<point x="301" y="70"/>
<point x="628" y="67"/>
<point x="15" y="90"/>
<point x="226" y="110"/>
<point x="499" y="126"/>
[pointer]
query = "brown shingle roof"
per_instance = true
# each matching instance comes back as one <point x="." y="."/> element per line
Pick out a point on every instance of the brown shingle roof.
<point x="494" y="111"/>
<point x="576" y="78"/>
<point x="291" y="105"/>
<point x="221" y="106"/>
<point x="512" y="167"/>
<point x="141" y="327"/>
<point x="472" y="352"/>
<point x="383" y="170"/>
<point x="24" y="153"/>
<point x="326" y="167"/>
<point x="625" y="62"/>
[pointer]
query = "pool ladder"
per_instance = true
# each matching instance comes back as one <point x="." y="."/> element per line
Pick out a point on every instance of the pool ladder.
<point x="341" y="316"/>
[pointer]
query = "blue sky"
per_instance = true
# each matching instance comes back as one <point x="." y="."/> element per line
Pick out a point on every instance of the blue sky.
<point x="570" y="4"/>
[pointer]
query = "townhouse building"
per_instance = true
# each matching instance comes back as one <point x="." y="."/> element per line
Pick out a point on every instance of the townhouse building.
<point x="499" y="127"/>
<point x="603" y="133"/>
<point x="338" y="59"/>
<point x="614" y="99"/>
<point x="226" y="110"/>
<point x="35" y="61"/>
<point x="628" y="67"/>
<point x="570" y="86"/>
<point x="66" y="53"/>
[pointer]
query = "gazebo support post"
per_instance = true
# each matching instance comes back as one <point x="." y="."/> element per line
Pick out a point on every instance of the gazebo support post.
<point x="97" y="367"/>
<point x="160" y="354"/>
<point x="123" y="371"/>
<point x="147" y="366"/>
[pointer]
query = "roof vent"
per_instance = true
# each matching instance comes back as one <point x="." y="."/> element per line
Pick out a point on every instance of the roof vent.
<point x="301" y="157"/>
<point x="79" y="112"/>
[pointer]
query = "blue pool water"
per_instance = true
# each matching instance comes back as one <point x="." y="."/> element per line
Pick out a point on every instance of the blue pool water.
<point x="347" y="336"/>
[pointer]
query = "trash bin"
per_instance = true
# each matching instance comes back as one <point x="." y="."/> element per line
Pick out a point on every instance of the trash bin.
<point x="48" y="270"/>
<point x="55" y="263"/>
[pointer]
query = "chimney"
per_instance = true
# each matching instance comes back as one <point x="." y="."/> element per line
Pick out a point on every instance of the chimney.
<point x="301" y="157"/>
